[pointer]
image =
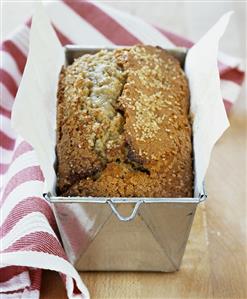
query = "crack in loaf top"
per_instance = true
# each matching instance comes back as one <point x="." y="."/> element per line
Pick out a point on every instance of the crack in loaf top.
<point x="123" y="126"/>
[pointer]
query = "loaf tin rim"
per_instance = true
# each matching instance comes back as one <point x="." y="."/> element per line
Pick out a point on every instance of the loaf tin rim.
<point x="91" y="199"/>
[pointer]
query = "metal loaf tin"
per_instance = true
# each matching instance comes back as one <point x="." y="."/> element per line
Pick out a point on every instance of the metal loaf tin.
<point x="124" y="234"/>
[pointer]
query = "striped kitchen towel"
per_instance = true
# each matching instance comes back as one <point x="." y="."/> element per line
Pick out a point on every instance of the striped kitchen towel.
<point x="29" y="239"/>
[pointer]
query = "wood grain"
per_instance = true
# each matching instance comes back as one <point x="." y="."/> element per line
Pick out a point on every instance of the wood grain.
<point x="214" y="265"/>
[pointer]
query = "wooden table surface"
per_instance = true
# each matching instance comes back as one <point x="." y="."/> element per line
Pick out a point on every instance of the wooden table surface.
<point x="214" y="265"/>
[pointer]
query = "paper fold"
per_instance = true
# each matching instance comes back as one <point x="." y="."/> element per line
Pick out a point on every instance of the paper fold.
<point x="34" y="111"/>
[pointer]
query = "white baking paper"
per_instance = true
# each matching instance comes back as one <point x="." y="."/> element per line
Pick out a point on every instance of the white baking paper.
<point x="207" y="108"/>
<point x="34" y="111"/>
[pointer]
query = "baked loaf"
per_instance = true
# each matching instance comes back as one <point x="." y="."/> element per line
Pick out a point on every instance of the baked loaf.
<point x="123" y="128"/>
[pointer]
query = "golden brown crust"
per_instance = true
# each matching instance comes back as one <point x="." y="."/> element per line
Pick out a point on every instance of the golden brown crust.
<point x="148" y="151"/>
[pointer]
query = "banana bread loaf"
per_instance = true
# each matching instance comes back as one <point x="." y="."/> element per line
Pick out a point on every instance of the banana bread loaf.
<point x="123" y="128"/>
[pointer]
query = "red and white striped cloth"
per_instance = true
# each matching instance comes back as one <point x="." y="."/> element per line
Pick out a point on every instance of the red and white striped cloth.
<point x="29" y="239"/>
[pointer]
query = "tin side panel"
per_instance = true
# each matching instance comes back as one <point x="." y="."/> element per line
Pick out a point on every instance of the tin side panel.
<point x="154" y="241"/>
<point x="170" y="225"/>
<point x="79" y="224"/>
